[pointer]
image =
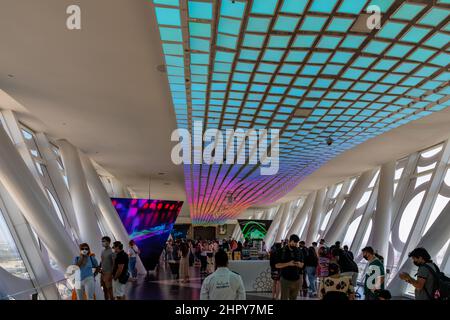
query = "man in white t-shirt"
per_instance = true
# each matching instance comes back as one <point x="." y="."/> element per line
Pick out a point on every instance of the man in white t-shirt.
<point x="223" y="284"/>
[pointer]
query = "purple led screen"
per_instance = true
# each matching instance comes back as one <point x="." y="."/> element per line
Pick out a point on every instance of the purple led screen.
<point x="149" y="223"/>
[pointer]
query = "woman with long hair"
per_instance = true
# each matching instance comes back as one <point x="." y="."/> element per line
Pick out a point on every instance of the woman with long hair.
<point x="184" y="262"/>
<point x="133" y="253"/>
<point x="86" y="262"/>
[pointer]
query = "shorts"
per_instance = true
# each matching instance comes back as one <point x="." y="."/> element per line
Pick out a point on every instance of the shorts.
<point x="118" y="288"/>
<point x="275" y="274"/>
<point x="106" y="280"/>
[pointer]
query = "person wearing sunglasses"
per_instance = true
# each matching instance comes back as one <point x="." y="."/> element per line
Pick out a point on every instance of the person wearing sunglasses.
<point x="86" y="262"/>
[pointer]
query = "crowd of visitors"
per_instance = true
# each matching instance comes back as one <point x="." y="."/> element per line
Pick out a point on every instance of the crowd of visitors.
<point x="182" y="254"/>
<point x="317" y="271"/>
<point x="331" y="273"/>
<point x="320" y="271"/>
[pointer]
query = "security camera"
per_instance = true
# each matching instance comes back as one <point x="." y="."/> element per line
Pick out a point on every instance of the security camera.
<point x="329" y="141"/>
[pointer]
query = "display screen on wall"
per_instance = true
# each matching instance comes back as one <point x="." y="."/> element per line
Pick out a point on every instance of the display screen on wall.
<point x="254" y="229"/>
<point x="149" y="223"/>
<point x="180" y="231"/>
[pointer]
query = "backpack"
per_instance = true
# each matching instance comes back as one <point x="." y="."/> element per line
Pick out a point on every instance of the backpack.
<point x="441" y="284"/>
<point x="346" y="263"/>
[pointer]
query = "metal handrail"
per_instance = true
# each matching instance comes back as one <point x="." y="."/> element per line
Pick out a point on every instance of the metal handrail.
<point x="32" y="291"/>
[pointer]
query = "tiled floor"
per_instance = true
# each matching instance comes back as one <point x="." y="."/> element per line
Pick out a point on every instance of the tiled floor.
<point x="162" y="285"/>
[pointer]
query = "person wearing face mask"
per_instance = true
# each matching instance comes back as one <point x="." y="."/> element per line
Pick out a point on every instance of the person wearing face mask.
<point x="120" y="271"/>
<point x="290" y="262"/>
<point x="106" y="267"/>
<point x="425" y="283"/>
<point x="86" y="262"/>
<point x="374" y="278"/>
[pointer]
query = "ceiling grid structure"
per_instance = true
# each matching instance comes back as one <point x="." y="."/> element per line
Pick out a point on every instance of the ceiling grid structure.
<point x="307" y="68"/>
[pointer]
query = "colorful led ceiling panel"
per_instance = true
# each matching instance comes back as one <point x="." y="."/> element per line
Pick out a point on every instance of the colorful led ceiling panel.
<point x="312" y="69"/>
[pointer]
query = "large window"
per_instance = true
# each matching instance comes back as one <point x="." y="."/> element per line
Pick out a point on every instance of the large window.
<point x="55" y="206"/>
<point x="10" y="259"/>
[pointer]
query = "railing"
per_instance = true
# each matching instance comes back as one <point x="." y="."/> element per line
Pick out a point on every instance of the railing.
<point x="64" y="292"/>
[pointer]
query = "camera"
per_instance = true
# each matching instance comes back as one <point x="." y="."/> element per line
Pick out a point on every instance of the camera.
<point x="330" y="141"/>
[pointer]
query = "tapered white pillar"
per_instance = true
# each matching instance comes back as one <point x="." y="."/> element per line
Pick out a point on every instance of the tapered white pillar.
<point x="338" y="227"/>
<point x="235" y="232"/>
<point x="271" y="233"/>
<point x="317" y="211"/>
<point x="81" y="199"/>
<point x="259" y="215"/>
<point x="31" y="200"/>
<point x="104" y="203"/>
<point x="239" y="234"/>
<point x="57" y="179"/>
<point x="302" y="214"/>
<point x="383" y="213"/>
<point x="118" y="188"/>
<point x="107" y="209"/>
<point x="283" y="222"/>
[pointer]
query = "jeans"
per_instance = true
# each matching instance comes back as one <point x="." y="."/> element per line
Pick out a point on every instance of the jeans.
<point x="132" y="267"/>
<point x="312" y="278"/>
<point x="290" y="289"/>
<point x="88" y="287"/>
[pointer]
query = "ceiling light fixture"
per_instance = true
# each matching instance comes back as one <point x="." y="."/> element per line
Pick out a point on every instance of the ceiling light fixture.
<point x="302" y="113"/>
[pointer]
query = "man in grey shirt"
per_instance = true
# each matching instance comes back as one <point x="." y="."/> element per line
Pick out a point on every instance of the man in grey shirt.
<point x="425" y="284"/>
<point x="106" y="266"/>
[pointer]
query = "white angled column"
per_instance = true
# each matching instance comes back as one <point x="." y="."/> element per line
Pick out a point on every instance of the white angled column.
<point x="108" y="211"/>
<point x="235" y="232"/>
<point x="271" y="233"/>
<point x="283" y="222"/>
<point x="302" y="214"/>
<point x="57" y="179"/>
<point x="81" y="199"/>
<point x="337" y="229"/>
<point x="383" y="213"/>
<point x="118" y="188"/>
<point x="317" y="211"/>
<point x="34" y="205"/>
<point x="259" y="215"/>
<point x="104" y="201"/>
